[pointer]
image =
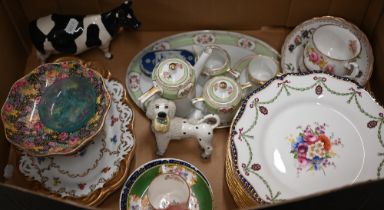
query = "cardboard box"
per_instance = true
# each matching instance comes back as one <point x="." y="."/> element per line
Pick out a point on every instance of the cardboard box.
<point x="268" y="20"/>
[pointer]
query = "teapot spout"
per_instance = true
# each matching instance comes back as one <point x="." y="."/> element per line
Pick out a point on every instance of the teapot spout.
<point x="202" y="59"/>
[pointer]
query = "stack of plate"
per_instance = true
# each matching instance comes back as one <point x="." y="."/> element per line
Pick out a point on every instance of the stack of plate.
<point x="73" y="148"/>
<point x="303" y="133"/>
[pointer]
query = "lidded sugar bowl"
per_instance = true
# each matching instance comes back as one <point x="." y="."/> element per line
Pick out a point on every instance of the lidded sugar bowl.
<point x="222" y="94"/>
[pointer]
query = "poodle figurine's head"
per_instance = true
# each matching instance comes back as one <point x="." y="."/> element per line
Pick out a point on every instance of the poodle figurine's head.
<point x="160" y="111"/>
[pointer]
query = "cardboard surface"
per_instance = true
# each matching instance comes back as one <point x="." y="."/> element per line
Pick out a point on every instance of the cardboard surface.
<point x="167" y="17"/>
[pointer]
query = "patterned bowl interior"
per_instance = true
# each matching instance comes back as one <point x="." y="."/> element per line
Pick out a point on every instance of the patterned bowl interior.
<point x="55" y="109"/>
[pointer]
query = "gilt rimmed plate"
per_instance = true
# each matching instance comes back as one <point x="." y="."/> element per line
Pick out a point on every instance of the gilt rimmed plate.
<point x="304" y="133"/>
<point x="238" y="46"/>
<point x="55" y="109"/>
<point x="99" y="168"/>
<point x="292" y="51"/>
<point x="134" y="192"/>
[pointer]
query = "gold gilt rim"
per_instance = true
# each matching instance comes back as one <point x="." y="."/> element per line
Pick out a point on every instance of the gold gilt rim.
<point x="239" y="194"/>
<point x="98" y="196"/>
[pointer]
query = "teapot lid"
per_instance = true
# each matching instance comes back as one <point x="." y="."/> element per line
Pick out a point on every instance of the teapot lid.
<point x="222" y="92"/>
<point x="172" y="72"/>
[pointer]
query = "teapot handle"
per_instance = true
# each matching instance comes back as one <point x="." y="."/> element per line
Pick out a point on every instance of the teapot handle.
<point x="147" y="95"/>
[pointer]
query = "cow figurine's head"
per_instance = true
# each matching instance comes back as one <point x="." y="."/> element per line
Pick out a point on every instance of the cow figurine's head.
<point x="125" y="16"/>
<point x="73" y="34"/>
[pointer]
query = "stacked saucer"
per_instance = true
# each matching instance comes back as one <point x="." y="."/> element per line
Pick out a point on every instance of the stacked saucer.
<point x="74" y="128"/>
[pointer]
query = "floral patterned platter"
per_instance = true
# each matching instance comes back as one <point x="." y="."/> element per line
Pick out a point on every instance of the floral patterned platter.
<point x="99" y="168"/>
<point x="238" y="46"/>
<point x="33" y="115"/>
<point x="304" y="133"/>
<point x="292" y="51"/>
<point x="134" y="193"/>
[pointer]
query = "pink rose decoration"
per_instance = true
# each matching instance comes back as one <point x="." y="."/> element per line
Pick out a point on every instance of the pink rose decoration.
<point x="38" y="126"/>
<point x="302" y="149"/>
<point x="74" y="141"/>
<point x="314" y="57"/>
<point x="310" y="138"/>
<point x="8" y="107"/>
<point x="63" y="136"/>
<point x="329" y="68"/>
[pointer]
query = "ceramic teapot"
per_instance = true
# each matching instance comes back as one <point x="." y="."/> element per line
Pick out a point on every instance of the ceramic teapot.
<point x="222" y="94"/>
<point x="174" y="78"/>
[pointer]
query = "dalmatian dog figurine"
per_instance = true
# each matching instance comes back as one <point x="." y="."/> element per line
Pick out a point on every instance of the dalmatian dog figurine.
<point x="70" y="34"/>
<point x="166" y="126"/>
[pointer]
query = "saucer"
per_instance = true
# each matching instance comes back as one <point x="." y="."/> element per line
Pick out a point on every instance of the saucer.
<point x="55" y="109"/>
<point x="236" y="44"/>
<point x="89" y="175"/>
<point x="292" y="51"/>
<point x="304" y="133"/>
<point x="134" y="193"/>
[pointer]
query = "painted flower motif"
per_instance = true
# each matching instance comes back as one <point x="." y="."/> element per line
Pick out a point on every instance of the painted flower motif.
<point x="312" y="148"/>
<point x="329" y="68"/>
<point x="38" y="126"/>
<point x="246" y="43"/>
<point x="74" y="141"/>
<point x="314" y="57"/>
<point x="372" y="124"/>
<point x="291" y="47"/>
<point x="298" y="40"/>
<point x="134" y="81"/>
<point x="188" y="175"/>
<point x="162" y="46"/>
<point x="63" y="136"/>
<point x="8" y="107"/>
<point x="81" y="186"/>
<point x="256" y="167"/>
<point x="204" y="39"/>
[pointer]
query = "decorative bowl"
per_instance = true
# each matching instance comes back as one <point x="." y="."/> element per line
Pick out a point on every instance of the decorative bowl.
<point x="55" y="109"/>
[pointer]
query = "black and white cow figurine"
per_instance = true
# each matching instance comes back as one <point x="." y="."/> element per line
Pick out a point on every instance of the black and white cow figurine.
<point x="67" y="34"/>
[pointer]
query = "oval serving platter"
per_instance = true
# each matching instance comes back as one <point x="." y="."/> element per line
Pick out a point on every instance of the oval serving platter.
<point x="304" y="133"/>
<point x="238" y="46"/>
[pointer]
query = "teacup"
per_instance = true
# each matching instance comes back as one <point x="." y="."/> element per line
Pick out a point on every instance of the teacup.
<point x="219" y="63"/>
<point x="222" y="95"/>
<point x="333" y="49"/>
<point x="262" y="68"/>
<point x="168" y="189"/>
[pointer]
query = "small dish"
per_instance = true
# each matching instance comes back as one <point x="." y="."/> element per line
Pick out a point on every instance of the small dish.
<point x="292" y="52"/>
<point x="304" y="133"/>
<point x="94" y="172"/>
<point x="45" y="112"/>
<point x="134" y="193"/>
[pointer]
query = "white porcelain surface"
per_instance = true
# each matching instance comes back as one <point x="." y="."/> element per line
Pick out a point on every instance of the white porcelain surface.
<point x="262" y="68"/>
<point x="89" y="169"/>
<point x="292" y="51"/>
<point x="304" y="134"/>
<point x="335" y="42"/>
<point x="168" y="189"/>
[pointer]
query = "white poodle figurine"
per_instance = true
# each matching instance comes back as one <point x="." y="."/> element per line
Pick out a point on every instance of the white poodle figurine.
<point x="166" y="126"/>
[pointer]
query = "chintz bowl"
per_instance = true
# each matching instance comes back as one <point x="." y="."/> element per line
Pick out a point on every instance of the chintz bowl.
<point x="55" y="109"/>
